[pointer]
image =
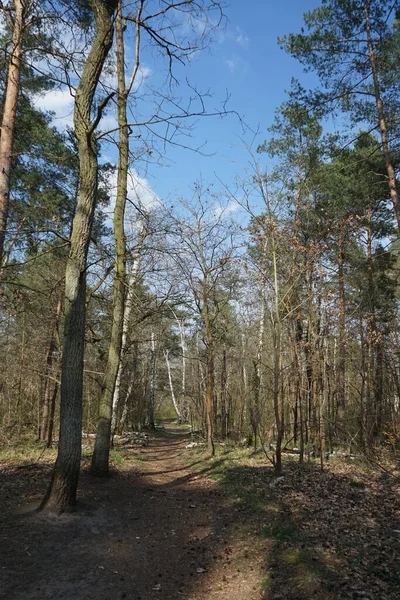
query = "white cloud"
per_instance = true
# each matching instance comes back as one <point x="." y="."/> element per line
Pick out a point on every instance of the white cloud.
<point x="140" y="194"/>
<point x="61" y="103"/>
<point x="109" y="77"/>
<point x="108" y="123"/>
<point x="241" y="38"/>
<point x="141" y="76"/>
<point x="231" y="65"/>
<point x="203" y="26"/>
<point x="237" y="65"/>
<point x="221" y="211"/>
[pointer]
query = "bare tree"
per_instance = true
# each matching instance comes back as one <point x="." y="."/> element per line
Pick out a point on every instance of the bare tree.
<point x="207" y="247"/>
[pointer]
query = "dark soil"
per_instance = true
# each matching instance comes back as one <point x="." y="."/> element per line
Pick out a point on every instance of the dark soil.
<point x="164" y="528"/>
<point x="153" y="530"/>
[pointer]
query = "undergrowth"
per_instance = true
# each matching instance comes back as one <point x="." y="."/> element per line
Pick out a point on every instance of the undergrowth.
<point x="324" y="533"/>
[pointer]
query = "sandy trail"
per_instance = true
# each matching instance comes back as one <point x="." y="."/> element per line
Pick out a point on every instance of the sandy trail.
<point x="154" y="530"/>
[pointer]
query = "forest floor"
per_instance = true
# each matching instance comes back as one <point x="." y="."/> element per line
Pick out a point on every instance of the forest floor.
<point x="169" y="524"/>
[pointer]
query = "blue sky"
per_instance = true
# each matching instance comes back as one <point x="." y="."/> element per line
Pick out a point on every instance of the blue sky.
<point x="244" y="60"/>
<point x="247" y="61"/>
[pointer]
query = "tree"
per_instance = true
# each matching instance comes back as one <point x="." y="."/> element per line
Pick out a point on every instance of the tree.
<point x="151" y="24"/>
<point x="348" y="43"/>
<point x="61" y="495"/>
<point x="8" y="116"/>
<point x="352" y="203"/>
<point x="207" y="245"/>
<point x="100" y="458"/>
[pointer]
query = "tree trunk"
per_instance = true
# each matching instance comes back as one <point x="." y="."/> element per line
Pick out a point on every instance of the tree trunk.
<point x="100" y="458"/>
<point x="209" y="401"/>
<point x="382" y="122"/>
<point x="224" y="396"/>
<point x="50" y="427"/>
<point x="209" y="405"/>
<point x="181" y="327"/>
<point x="116" y="411"/>
<point x="48" y="392"/>
<point x="255" y="414"/>
<point x="129" y="394"/>
<point x="61" y="495"/>
<point x="244" y="387"/>
<point x="341" y="396"/>
<point x="171" y="386"/>
<point x="8" y="120"/>
<point x="152" y="393"/>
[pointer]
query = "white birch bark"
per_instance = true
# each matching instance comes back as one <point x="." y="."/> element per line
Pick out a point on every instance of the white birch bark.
<point x="133" y="275"/>
<point x="152" y="394"/>
<point x="174" y="402"/>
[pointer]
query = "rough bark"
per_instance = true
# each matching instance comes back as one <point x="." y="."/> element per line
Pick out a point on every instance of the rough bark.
<point x="382" y="122"/>
<point x="206" y="317"/>
<point x="255" y="413"/>
<point x="277" y="367"/>
<point x="8" y="120"/>
<point x="152" y="392"/>
<point x="100" y="458"/>
<point x="341" y="396"/>
<point x="224" y="395"/>
<point x="61" y="495"/>
<point x="48" y="391"/>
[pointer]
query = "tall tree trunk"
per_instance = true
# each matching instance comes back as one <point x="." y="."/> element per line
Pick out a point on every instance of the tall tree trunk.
<point x="255" y="414"/>
<point x="8" y="120"/>
<point x="209" y="405"/>
<point x="48" y="392"/>
<point x="61" y="495"/>
<point x="244" y="387"/>
<point x="382" y="121"/>
<point x="50" y="427"/>
<point x="341" y="386"/>
<point x="202" y="390"/>
<point x="375" y="347"/>
<point x="100" y="458"/>
<point x="129" y="394"/>
<point x="209" y="401"/>
<point x="364" y="386"/>
<point x="378" y="391"/>
<point x="181" y="327"/>
<point x="123" y="93"/>
<point x="133" y="276"/>
<point x="152" y="393"/>
<point x="277" y="367"/>
<point x="224" y="396"/>
<point x="171" y="386"/>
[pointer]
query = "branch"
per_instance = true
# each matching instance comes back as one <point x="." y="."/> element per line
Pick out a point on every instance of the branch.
<point x="100" y="109"/>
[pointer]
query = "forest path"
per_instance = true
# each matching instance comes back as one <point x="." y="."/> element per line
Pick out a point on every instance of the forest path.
<point x="154" y="530"/>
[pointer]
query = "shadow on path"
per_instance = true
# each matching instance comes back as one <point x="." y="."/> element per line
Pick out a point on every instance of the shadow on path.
<point x="158" y="529"/>
<point x="147" y="532"/>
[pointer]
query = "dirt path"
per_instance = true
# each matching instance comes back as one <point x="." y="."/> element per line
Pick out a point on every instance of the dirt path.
<point x="154" y="530"/>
